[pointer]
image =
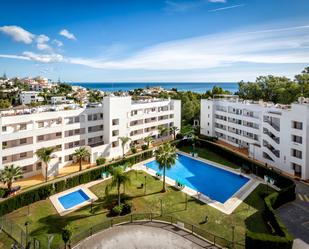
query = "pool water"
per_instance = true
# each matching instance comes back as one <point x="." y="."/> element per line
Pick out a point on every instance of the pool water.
<point x="216" y="183"/>
<point x="73" y="199"/>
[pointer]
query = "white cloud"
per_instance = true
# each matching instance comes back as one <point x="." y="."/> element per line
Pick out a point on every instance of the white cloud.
<point x="227" y="8"/>
<point x="57" y="43"/>
<point x="18" y="34"/>
<point x="45" y="58"/>
<point x="67" y="34"/>
<point x="42" y="43"/>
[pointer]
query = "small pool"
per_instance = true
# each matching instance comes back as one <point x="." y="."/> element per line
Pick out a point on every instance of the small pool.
<point x="73" y="199"/>
<point x="216" y="183"/>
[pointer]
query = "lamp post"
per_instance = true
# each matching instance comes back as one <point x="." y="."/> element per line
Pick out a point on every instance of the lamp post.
<point x="161" y="207"/>
<point x="26" y="226"/>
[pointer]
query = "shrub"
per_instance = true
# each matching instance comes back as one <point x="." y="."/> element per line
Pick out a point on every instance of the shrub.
<point x="179" y="136"/>
<point x="145" y="147"/>
<point x="2" y="192"/>
<point x="59" y="186"/>
<point x="100" y="161"/>
<point x="117" y="210"/>
<point x="126" y="209"/>
<point x="133" y="150"/>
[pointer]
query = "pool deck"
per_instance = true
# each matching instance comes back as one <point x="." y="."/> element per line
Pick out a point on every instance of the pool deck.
<point x="227" y="207"/>
<point x="61" y="210"/>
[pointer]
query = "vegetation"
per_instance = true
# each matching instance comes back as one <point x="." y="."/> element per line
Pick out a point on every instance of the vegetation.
<point x="148" y="140"/>
<point x="119" y="179"/>
<point x="276" y="89"/>
<point x="81" y="154"/>
<point x="95" y="96"/>
<point x="45" y="219"/>
<point x="166" y="157"/>
<point x="66" y="235"/>
<point x="124" y="141"/>
<point x="173" y="130"/>
<point x="10" y="174"/>
<point x="100" y="161"/>
<point x="162" y="130"/>
<point x="45" y="155"/>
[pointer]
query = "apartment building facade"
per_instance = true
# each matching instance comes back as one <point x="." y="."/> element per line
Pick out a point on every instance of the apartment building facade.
<point x="276" y="135"/>
<point x="68" y="127"/>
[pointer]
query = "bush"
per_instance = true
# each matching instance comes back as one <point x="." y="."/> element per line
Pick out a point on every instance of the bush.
<point x="145" y="147"/>
<point x="179" y="136"/>
<point x="126" y="209"/>
<point x="59" y="186"/>
<point x="100" y="161"/>
<point x="133" y="150"/>
<point x="2" y="192"/>
<point x="117" y="210"/>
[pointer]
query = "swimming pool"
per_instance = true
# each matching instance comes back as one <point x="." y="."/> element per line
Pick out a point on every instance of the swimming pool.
<point x="73" y="199"/>
<point x="216" y="183"/>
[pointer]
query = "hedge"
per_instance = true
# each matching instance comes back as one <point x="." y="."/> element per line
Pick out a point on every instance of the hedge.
<point x="282" y="239"/>
<point x="45" y="190"/>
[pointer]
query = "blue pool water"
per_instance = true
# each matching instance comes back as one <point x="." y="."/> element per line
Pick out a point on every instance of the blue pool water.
<point x="216" y="183"/>
<point x="73" y="199"/>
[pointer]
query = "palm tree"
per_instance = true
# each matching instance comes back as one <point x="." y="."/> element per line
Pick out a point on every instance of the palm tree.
<point x="124" y="141"/>
<point x="66" y="235"/>
<point x="10" y="174"/>
<point x="80" y="154"/>
<point x="174" y="129"/>
<point x="45" y="155"/>
<point x="165" y="156"/>
<point x="162" y="130"/>
<point x="148" y="140"/>
<point x="192" y="137"/>
<point x="119" y="178"/>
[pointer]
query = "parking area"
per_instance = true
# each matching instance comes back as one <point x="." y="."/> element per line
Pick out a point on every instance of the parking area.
<point x="295" y="215"/>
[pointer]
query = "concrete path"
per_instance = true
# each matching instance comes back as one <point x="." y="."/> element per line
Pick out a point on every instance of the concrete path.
<point x="144" y="235"/>
<point x="295" y="215"/>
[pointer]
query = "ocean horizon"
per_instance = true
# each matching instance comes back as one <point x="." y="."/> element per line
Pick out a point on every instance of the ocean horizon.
<point x="198" y="87"/>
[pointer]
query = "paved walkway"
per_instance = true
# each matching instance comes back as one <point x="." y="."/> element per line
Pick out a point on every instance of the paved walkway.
<point x="144" y="235"/>
<point x="295" y="215"/>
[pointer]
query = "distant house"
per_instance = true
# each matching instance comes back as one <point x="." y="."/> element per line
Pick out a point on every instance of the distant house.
<point x="58" y="100"/>
<point x="28" y="97"/>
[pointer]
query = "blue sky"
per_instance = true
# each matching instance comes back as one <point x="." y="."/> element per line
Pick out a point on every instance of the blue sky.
<point x="154" y="40"/>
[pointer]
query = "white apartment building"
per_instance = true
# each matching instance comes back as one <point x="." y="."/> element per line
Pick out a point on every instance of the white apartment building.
<point x="277" y="135"/>
<point x="28" y="97"/>
<point x="68" y="127"/>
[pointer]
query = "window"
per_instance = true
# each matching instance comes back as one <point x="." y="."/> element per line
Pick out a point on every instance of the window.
<point x="23" y="141"/>
<point x="23" y="155"/>
<point x="89" y="117"/>
<point x="27" y="169"/>
<point x="58" y="134"/>
<point x="23" y="127"/>
<point x="40" y="124"/>
<point x="115" y="144"/>
<point x="115" y="121"/>
<point x="39" y="166"/>
<point x="40" y="138"/>
<point x="296" y="153"/>
<point x="4" y="128"/>
<point x="4" y="144"/>
<point x="76" y="119"/>
<point x="297" y="125"/>
<point x="297" y="139"/>
<point x="115" y="133"/>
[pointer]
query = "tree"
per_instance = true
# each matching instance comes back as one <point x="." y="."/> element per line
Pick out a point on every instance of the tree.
<point x="10" y="174"/>
<point x="124" y="141"/>
<point x="148" y="140"/>
<point x="45" y="155"/>
<point x="80" y="154"/>
<point x="119" y="178"/>
<point x="166" y="157"/>
<point x="162" y="130"/>
<point x="4" y="103"/>
<point x="66" y="235"/>
<point x="174" y="129"/>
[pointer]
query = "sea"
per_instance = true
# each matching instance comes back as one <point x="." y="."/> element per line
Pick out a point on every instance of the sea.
<point x="126" y="86"/>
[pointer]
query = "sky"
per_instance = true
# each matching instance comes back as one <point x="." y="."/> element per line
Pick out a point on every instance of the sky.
<point x="154" y="40"/>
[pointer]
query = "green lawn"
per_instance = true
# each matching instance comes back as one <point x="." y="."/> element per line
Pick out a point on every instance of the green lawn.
<point x="45" y="220"/>
<point x="5" y="241"/>
<point x="209" y="155"/>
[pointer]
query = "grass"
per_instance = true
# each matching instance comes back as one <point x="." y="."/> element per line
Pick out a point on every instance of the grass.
<point x="5" y="241"/>
<point x="210" y="155"/>
<point x="45" y="220"/>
